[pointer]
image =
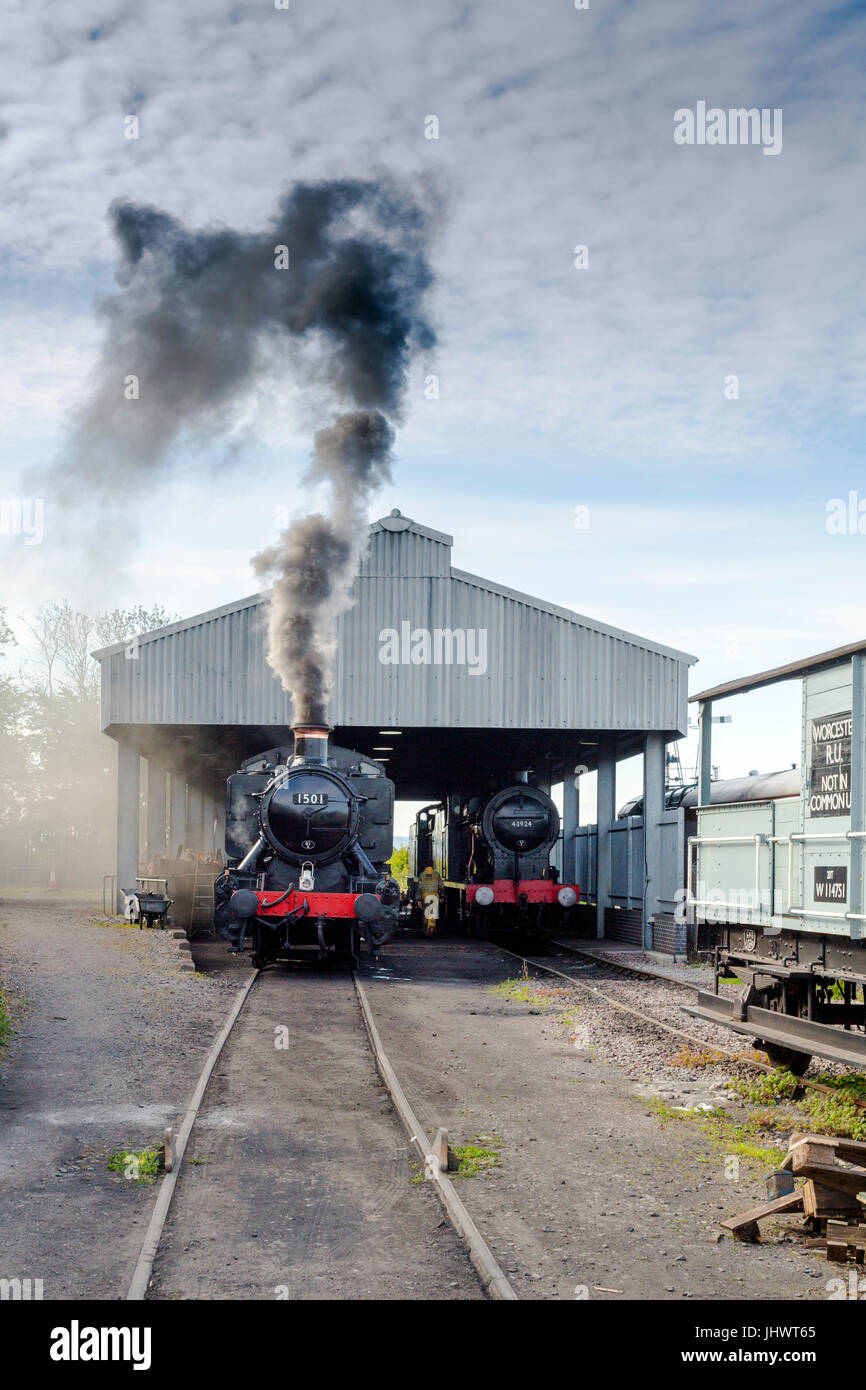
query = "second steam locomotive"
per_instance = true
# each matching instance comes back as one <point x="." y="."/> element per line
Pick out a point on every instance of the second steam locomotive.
<point x="309" y="831"/>
<point x="489" y="857"/>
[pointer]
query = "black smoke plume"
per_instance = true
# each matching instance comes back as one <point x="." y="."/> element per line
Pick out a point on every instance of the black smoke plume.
<point x="200" y="315"/>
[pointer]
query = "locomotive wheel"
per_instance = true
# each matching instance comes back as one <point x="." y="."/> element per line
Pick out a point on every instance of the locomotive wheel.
<point x="795" y="1062"/>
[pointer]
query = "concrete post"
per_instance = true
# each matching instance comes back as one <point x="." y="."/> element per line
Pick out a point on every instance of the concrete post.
<point x="705" y="755"/>
<point x="195" y="805"/>
<point x="128" y="788"/>
<point x="606" y="813"/>
<point x="570" y="817"/>
<point x="177" y="832"/>
<point x="653" y="806"/>
<point x="155" y="809"/>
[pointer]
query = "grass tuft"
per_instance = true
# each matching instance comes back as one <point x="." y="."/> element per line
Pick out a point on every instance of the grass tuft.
<point x="143" y="1165"/>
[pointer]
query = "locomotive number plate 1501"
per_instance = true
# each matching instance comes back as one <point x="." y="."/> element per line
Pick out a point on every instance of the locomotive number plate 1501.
<point x="310" y="798"/>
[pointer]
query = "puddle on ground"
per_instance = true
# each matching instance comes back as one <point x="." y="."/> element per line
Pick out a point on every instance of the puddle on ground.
<point x="384" y="972"/>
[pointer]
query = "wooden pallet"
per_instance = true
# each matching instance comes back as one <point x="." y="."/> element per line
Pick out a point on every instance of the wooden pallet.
<point x="846" y="1242"/>
<point x="832" y="1195"/>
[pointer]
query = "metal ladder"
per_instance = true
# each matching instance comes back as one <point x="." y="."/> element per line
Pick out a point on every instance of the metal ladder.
<point x="202" y="896"/>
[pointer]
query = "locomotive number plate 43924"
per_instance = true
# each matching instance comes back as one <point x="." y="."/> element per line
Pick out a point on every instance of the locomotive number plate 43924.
<point x="310" y="798"/>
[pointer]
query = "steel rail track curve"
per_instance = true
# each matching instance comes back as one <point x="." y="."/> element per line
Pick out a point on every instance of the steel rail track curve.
<point x="491" y="1276"/>
<point x="656" y="1023"/>
<point x="144" y="1265"/>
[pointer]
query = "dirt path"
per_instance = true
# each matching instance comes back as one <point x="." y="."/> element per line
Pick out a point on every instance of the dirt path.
<point x="298" y="1183"/>
<point x="594" y="1192"/>
<point x="111" y="1036"/>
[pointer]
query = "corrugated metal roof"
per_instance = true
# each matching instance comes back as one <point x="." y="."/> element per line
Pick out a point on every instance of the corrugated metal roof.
<point x="546" y="667"/>
<point x="807" y="666"/>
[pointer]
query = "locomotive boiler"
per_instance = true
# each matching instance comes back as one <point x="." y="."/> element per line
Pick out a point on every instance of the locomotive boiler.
<point x="309" y="831"/>
<point x="492" y="857"/>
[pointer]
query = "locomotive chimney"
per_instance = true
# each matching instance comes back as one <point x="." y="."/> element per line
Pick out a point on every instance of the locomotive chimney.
<point x="311" y="742"/>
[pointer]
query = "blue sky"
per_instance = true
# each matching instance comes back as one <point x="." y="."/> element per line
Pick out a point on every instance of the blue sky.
<point x="559" y="387"/>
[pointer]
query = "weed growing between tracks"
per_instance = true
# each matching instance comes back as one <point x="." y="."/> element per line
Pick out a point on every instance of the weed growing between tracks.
<point x="142" y="1166"/>
<point x="775" y="1104"/>
<point x="745" y="1138"/>
<point x="816" y="1112"/>
<point x="523" y="990"/>
<point x="480" y="1156"/>
<point x="7" y="1029"/>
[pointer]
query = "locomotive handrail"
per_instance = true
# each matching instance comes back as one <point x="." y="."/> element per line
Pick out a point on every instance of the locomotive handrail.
<point x="823" y="835"/>
<point x="789" y="840"/>
<point x="797" y="836"/>
<point x="839" y="916"/>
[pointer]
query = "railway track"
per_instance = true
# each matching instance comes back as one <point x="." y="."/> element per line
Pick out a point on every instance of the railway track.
<point x="294" y="1142"/>
<point x="619" y="967"/>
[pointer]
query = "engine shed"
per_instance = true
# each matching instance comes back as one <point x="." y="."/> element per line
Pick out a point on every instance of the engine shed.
<point x="451" y="679"/>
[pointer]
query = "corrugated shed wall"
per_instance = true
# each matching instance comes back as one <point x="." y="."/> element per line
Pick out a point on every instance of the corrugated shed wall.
<point x="543" y="670"/>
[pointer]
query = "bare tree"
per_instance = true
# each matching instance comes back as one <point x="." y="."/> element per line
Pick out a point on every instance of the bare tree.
<point x="82" y="676"/>
<point x="66" y="637"/>
<point x="47" y="629"/>
<point x="119" y="623"/>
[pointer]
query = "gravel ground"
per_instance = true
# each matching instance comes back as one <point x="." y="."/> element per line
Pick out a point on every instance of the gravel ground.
<point x="110" y="1038"/>
<point x="646" y="1054"/>
<point x="698" y="976"/>
<point x="594" y="1189"/>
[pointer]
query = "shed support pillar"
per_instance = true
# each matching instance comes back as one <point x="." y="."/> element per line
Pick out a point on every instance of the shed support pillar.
<point x="570" y="817"/>
<point x="195" y="817"/>
<point x="128" y="788"/>
<point x="177" y="830"/>
<point x="653" y="807"/>
<point x="606" y="810"/>
<point x="705" y="755"/>
<point x="155" y="809"/>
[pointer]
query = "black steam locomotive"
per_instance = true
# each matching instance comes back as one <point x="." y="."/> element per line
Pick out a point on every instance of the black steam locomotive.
<point x="490" y="860"/>
<point x="309" y="831"/>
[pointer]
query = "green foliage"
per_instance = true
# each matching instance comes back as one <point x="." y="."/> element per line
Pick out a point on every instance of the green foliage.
<point x="6" y="1028"/>
<point x="480" y="1156"/>
<point x="399" y="867"/>
<point x="766" y="1088"/>
<point x="524" y="990"/>
<point x="747" y="1139"/>
<point x="143" y="1165"/>
<point x="837" y="1114"/>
